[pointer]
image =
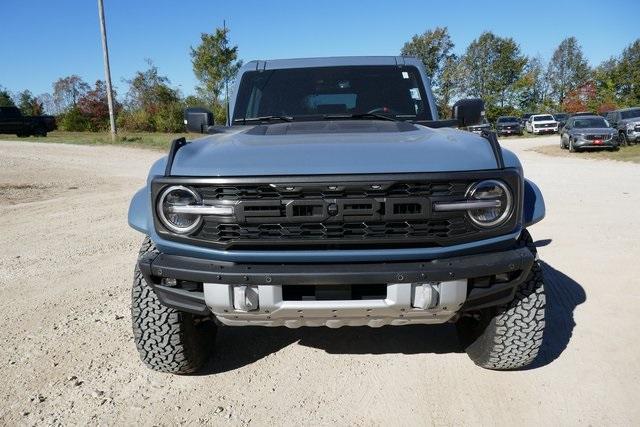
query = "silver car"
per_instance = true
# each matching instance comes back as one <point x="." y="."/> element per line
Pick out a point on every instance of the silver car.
<point x="587" y="132"/>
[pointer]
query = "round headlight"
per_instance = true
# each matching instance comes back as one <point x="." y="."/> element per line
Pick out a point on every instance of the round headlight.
<point x="490" y="190"/>
<point x="176" y="196"/>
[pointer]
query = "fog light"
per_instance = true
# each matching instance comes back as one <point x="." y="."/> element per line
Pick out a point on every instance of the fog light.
<point x="245" y="298"/>
<point x="424" y="295"/>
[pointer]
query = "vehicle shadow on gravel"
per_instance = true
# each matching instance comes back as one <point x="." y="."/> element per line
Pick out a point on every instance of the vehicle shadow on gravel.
<point x="563" y="296"/>
<point x="238" y="347"/>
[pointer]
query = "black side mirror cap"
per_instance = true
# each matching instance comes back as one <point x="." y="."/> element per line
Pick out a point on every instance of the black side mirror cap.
<point x="468" y="112"/>
<point x="198" y="119"/>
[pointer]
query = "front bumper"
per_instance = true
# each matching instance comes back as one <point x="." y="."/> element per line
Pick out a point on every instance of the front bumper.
<point x="413" y="292"/>
<point x="545" y="130"/>
<point x="586" y="143"/>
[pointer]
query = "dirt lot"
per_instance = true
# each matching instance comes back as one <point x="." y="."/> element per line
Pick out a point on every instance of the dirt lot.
<point x="67" y="354"/>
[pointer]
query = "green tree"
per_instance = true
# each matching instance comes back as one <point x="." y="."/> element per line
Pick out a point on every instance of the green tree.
<point x="434" y="49"/>
<point x="532" y="87"/>
<point x="152" y="104"/>
<point x="5" y="98"/>
<point x="491" y="67"/>
<point x="215" y="64"/>
<point x="67" y="91"/>
<point x="568" y="69"/>
<point x="627" y="75"/>
<point x="28" y="104"/>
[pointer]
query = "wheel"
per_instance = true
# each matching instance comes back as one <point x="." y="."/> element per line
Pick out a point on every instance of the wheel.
<point x="562" y="147"/>
<point x="508" y="337"/>
<point x="623" y="138"/>
<point x="571" y="148"/>
<point x="167" y="340"/>
<point x="40" y="131"/>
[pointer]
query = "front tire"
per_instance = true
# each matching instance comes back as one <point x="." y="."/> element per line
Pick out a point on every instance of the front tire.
<point x="623" y="139"/>
<point x="167" y="340"/>
<point x="508" y="337"/>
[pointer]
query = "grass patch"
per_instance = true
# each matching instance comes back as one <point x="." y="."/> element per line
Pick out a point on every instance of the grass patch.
<point x="157" y="141"/>
<point x="625" y="154"/>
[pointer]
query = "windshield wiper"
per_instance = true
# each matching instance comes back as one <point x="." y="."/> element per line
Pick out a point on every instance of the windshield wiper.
<point x="356" y="116"/>
<point x="263" y="119"/>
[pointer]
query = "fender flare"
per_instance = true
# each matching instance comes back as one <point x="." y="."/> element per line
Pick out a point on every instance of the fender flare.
<point x="139" y="209"/>
<point x="534" y="208"/>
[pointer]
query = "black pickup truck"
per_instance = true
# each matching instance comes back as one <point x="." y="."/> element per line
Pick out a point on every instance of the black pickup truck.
<point x="13" y="122"/>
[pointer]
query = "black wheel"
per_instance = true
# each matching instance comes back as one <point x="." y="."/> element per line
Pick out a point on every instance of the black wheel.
<point x="623" y="138"/>
<point x="167" y="340"/>
<point x="40" y="131"/>
<point x="571" y="148"/>
<point x="508" y="337"/>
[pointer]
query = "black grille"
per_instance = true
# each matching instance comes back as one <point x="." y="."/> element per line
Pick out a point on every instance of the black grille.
<point x="337" y="211"/>
<point x="595" y="137"/>
<point x="427" y="229"/>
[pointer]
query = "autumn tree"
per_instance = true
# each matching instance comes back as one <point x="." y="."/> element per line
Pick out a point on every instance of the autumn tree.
<point x="627" y="74"/>
<point x="67" y="91"/>
<point x="28" y="104"/>
<point x="94" y="106"/>
<point x="568" y="69"/>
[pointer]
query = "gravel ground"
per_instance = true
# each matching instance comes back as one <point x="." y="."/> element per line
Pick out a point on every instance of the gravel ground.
<point x="67" y="355"/>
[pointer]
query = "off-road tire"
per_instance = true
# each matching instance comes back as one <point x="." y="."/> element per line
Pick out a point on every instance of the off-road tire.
<point x="167" y="340"/>
<point x="508" y="337"/>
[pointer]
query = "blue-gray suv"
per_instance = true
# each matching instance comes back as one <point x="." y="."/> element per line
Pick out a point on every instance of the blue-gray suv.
<point x="335" y="196"/>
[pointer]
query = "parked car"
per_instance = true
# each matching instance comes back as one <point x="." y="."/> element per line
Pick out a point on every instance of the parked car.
<point x="13" y="122"/>
<point x="523" y="120"/>
<point x="542" y="123"/>
<point x="588" y="132"/>
<point x="626" y="122"/>
<point x="561" y="118"/>
<point x="508" y="125"/>
<point x="482" y="126"/>
<point x="336" y="198"/>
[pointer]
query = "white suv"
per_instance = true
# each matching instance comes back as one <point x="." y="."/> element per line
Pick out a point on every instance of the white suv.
<point x="541" y="123"/>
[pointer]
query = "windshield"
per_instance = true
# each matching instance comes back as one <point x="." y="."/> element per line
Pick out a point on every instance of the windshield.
<point x="561" y="116"/>
<point x="542" y="118"/>
<point x="590" y="122"/>
<point x="313" y="93"/>
<point x="507" y="119"/>
<point x="629" y="114"/>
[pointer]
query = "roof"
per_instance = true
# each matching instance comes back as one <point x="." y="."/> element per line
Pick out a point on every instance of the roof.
<point x="334" y="61"/>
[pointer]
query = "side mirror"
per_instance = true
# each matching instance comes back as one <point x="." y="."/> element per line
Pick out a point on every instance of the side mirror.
<point x="197" y="119"/>
<point x="468" y="112"/>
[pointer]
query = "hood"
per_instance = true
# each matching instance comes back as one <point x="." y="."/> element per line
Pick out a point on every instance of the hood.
<point x="634" y="120"/>
<point x="333" y="147"/>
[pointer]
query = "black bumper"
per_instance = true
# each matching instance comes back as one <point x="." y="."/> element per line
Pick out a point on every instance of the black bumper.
<point x="484" y="290"/>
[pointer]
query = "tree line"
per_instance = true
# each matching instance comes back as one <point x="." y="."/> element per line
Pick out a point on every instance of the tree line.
<point x="491" y="67"/>
<point x="495" y="69"/>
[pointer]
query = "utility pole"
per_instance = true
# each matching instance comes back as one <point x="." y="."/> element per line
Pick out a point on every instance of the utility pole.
<point x="107" y="70"/>
<point x="226" y="80"/>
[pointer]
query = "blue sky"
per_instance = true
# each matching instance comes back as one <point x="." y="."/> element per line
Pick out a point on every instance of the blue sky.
<point x="41" y="40"/>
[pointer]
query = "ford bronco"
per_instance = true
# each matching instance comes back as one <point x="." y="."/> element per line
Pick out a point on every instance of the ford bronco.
<point x="335" y="196"/>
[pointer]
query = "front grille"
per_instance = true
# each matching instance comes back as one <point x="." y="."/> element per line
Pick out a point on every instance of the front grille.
<point x="429" y="229"/>
<point x="342" y="212"/>
<point x="594" y="137"/>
